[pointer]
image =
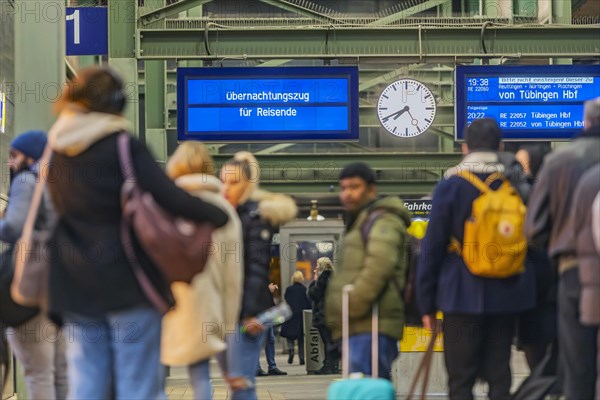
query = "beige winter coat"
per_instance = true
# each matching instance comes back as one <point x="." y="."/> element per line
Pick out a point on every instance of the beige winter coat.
<point x="208" y="308"/>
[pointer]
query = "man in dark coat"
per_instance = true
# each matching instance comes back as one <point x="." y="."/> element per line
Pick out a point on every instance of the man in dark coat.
<point x="479" y="313"/>
<point x="588" y="189"/>
<point x="549" y="225"/>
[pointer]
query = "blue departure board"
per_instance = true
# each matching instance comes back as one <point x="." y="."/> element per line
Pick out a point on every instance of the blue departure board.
<point x="267" y="104"/>
<point x="542" y="102"/>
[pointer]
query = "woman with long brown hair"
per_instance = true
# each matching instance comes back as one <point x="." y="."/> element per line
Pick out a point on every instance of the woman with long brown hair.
<point x="115" y="331"/>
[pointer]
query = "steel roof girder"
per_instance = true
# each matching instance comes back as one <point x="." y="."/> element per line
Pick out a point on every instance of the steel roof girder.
<point x="170" y="10"/>
<point x="409" y="12"/>
<point x="300" y="10"/>
<point x="424" y="43"/>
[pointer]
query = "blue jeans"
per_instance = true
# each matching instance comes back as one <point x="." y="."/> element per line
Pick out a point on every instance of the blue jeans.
<point x="117" y="353"/>
<point x="242" y="355"/>
<point x="269" y="349"/>
<point x="360" y="354"/>
<point x="200" y="380"/>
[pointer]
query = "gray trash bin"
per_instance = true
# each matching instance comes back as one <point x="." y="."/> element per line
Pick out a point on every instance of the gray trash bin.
<point x="313" y="345"/>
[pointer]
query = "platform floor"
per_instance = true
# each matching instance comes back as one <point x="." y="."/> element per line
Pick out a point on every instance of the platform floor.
<point x="297" y="385"/>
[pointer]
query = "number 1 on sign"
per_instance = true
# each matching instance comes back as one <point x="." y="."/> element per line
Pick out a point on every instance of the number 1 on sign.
<point x="75" y="18"/>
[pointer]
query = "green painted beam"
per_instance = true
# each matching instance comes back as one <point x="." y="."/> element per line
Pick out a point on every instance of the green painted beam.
<point x="400" y="188"/>
<point x="274" y="63"/>
<point x="303" y="174"/>
<point x="327" y="165"/>
<point x="70" y="70"/>
<point x="380" y="44"/>
<point x="408" y="12"/>
<point x="300" y="10"/>
<point x="385" y="78"/>
<point x="39" y="64"/>
<point x="170" y="10"/>
<point x="127" y="69"/>
<point x="121" y="28"/>
<point x="525" y="7"/>
<point x="275" y="148"/>
<point x="154" y="99"/>
<point x="561" y="11"/>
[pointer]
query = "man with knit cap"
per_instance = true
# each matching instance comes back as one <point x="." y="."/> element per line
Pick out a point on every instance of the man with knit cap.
<point x="25" y="152"/>
<point x="43" y="362"/>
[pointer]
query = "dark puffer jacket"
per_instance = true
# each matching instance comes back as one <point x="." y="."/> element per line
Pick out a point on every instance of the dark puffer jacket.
<point x="260" y="216"/>
<point x="316" y="293"/>
<point x="257" y="253"/>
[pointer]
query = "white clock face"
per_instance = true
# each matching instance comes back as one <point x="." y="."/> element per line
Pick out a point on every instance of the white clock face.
<point x="406" y="108"/>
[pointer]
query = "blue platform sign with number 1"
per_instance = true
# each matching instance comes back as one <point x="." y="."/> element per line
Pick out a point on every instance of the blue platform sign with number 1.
<point x="87" y="31"/>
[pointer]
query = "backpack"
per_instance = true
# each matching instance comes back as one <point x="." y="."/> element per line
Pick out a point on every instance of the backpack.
<point x="494" y="243"/>
<point x="413" y="249"/>
<point x="178" y="248"/>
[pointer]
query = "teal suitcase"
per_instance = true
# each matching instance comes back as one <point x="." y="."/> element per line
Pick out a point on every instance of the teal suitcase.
<point x="360" y="388"/>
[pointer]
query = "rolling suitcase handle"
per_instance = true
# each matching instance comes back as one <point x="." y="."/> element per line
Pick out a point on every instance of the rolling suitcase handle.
<point x="424" y="366"/>
<point x="346" y="335"/>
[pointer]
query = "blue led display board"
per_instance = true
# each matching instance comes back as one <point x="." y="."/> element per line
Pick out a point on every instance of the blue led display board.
<point x="290" y="104"/>
<point x="542" y="102"/>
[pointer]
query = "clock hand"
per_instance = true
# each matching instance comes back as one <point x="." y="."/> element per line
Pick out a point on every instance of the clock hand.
<point x="415" y="122"/>
<point x="413" y="119"/>
<point x="399" y="113"/>
<point x="396" y="114"/>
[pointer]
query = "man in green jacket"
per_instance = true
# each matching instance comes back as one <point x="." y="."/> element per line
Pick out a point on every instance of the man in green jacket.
<point x="376" y="267"/>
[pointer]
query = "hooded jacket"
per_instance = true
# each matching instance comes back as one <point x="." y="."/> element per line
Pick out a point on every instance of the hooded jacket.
<point x="444" y="283"/>
<point x="370" y="267"/>
<point x="89" y="273"/>
<point x="205" y="310"/>
<point x="20" y="194"/>
<point x="261" y="213"/>
<point x="588" y="256"/>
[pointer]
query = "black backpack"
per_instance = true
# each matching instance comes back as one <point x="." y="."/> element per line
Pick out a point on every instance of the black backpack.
<point x="413" y="249"/>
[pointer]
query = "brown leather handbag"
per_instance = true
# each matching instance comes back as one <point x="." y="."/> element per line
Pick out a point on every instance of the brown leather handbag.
<point x="178" y="247"/>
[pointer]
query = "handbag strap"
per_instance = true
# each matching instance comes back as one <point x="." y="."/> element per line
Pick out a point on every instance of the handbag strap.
<point x="424" y="366"/>
<point x="36" y="199"/>
<point x="148" y="288"/>
<point x="146" y="285"/>
<point x="124" y="150"/>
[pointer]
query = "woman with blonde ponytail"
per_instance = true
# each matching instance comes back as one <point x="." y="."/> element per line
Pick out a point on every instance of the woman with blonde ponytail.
<point x="261" y="214"/>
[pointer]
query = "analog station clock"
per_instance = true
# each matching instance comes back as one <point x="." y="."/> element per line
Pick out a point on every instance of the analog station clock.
<point x="406" y="108"/>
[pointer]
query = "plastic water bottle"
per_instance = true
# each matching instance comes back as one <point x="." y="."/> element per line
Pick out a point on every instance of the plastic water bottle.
<point x="275" y="315"/>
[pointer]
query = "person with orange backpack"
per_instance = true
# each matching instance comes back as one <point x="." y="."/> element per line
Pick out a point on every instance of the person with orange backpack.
<point x="472" y="266"/>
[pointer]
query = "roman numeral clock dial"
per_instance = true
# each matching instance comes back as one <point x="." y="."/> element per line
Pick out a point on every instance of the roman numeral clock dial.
<point x="406" y="108"/>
